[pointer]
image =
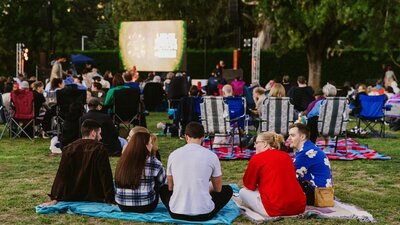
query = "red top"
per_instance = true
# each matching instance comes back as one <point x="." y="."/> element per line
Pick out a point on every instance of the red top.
<point x="273" y="173"/>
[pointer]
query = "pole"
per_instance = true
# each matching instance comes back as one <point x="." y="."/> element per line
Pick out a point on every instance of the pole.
<point x="205" y="57"/>
<point x="83" y="42"/>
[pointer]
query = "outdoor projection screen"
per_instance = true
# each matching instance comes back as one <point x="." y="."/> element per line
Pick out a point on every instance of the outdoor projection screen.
<point x="153" y="45"/>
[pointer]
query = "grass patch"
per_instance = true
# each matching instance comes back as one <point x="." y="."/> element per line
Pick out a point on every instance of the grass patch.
<point x="27" y="173"/>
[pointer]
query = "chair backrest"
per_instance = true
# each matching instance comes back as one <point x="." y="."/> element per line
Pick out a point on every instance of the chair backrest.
<point x="23" y="103"/>
<point x="153" y="94"/>
<point x="333" y="116"/>
<point x="189" y="109"/>
<point x="248" y="93"/>
<point x="126" y="104"/>
<point x="68" y="96"/>
<point x="277" y="114"/>
<point x="237" y="106"/>
<point x="372" y="106"/>
<point x="215" y="115"/>
<point x="178" y="88"/>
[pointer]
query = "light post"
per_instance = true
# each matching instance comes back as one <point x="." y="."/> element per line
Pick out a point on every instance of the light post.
<point x="83" y="42"/>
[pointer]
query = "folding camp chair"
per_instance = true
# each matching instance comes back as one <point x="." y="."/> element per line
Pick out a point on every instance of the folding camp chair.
<point x="217" y="122"/>
<point x="333" y="118"/>
<point x="66" y="97"/>
<point x="153" y="95"/>
<point x="22" y="119"/>
<point x="392" y="114"/>
<point x="188" y="111"/>
<point x="237" y="111"/>
<point x="277" y="114"/>
<point x="126" y="108"/>
<point x="372" y="114"/>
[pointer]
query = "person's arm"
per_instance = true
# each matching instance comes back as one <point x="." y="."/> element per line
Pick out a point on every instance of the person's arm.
<point x="251" y="176"/>
<point x="109" y="97"/>
<point x="216" y="183"/>
<point x="170" y="181"/>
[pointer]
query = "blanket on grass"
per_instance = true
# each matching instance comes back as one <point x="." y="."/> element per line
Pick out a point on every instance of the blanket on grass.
<point x="160" y="215"/>
<point x="354" y="150"/>
<point x="339" y="211"/>
<point x="226" y="153"/>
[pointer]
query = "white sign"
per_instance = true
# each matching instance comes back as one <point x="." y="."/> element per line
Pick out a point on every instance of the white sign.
<point x="255" y="61"/>
<point x="165" y="45"/>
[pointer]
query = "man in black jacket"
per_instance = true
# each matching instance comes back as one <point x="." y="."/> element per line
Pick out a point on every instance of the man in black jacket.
<point x="109" y="132"/>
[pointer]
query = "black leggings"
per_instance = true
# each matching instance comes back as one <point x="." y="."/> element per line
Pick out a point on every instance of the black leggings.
<point x="220" y="199"/>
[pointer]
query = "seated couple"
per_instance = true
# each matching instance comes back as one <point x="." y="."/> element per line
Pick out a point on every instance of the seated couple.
<point x="85" y="174"/>
<point x="271" y="187"/>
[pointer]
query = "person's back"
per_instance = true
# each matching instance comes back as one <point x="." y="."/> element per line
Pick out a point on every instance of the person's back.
<point x="301" y="96"/>
<point x="271" y="176"/>
<point x="188" y="195"/>
<point x="110" y="133"/>
<point x="138" y="176"/>
<point x="84" y="173"/>
<point x="84" y="180"/>
<point x="276" y="175"/>
<point x="191" y="179"/>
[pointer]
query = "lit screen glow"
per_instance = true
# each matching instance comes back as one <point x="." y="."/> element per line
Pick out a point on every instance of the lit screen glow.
<point x="153" y="45"/>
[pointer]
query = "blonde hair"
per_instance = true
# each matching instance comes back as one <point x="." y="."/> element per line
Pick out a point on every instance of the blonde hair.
<point x="273" y="139"/>
<point x="227" y="90"/>
<point x="259" y="90"/>
<point x="277" y="91"/>
<point x="135" y="130"/>
<point x="154" y="140"/>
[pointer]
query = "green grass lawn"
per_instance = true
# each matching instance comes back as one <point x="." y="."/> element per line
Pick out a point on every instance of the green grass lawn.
<point x="27" y="173"/>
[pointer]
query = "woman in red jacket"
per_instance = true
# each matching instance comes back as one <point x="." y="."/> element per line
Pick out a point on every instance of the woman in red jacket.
<point x="271" y="186"/>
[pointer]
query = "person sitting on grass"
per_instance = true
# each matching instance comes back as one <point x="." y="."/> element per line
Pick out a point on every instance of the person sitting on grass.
<point x="271" y="187"/>
<point x="138" y="176"/>
<point x="188" y="195"/>
<point x="311" y="163"/>
<point x="84" y="173"/>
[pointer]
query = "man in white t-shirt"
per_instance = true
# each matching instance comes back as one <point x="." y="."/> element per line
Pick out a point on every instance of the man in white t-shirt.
<point x="189" y="195"/>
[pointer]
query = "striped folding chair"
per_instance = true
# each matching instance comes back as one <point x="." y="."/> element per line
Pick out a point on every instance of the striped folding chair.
<point x="216" y="120"/>
<point x="333" y="118"/>
<point x="277" y="114"/>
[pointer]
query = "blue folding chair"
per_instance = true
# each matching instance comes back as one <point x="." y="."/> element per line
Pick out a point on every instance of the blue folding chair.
<point x="372" y="114"/>
<point x="237" y="111"/>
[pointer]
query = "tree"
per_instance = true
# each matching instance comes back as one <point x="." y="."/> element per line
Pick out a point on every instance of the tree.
<point x="315" y="25"/>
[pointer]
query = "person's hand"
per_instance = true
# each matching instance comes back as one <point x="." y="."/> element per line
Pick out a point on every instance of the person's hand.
<point x="49" y="203"/>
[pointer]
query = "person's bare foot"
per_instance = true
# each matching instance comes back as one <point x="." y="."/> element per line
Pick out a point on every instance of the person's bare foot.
<point x="49" y="203"/>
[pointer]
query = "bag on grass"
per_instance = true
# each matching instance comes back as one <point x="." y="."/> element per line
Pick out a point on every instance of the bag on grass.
<point x="324" y="197"/>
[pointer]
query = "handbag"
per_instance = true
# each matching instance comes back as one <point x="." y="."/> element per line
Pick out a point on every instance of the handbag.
<point x="317" y="196"/>
<point x="324" y="197"/>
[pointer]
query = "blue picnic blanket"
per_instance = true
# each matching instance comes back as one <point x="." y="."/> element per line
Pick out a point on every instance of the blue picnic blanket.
<point x="160" y="215"/>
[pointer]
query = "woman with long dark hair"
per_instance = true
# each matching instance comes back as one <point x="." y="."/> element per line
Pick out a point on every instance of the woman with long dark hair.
<point x="138" y="176"/>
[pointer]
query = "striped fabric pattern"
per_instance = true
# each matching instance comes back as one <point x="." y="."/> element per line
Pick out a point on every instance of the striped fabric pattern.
<point x="215" y="115"/>
<point x="333" y="116"/>
<point x="277" y="114"/>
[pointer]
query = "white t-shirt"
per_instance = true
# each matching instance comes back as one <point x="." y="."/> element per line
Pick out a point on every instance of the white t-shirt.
<point x="192" y="167"/>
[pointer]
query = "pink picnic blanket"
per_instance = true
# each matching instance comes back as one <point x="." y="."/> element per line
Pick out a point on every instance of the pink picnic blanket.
<point x="348" y="149"/>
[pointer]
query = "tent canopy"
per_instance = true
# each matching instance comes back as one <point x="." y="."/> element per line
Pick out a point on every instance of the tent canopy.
<point x="79" y="58"/>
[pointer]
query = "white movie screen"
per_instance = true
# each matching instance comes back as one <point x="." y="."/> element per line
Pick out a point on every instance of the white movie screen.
<point x="153" y="45"/>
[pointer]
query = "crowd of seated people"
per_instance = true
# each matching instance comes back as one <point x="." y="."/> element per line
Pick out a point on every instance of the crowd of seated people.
<point x="191" y="168"/>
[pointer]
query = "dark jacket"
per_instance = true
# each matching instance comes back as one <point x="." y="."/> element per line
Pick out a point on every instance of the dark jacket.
<point x="109" y="134"/>
<point x="84" y="173"/>
<point x="301" y="97"/>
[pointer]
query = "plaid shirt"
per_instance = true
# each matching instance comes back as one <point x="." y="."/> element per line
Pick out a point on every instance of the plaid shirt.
<point x="145" y="194"/>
